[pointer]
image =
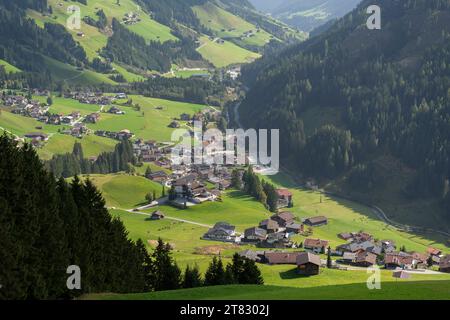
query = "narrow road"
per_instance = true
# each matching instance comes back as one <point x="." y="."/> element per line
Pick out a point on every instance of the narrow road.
<point x="166" y="217"/>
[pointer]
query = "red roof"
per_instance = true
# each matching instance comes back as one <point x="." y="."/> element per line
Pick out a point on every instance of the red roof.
<point x="283" y="193"/>
<point x="315" y="243"/>
<point x="433" y="251"/>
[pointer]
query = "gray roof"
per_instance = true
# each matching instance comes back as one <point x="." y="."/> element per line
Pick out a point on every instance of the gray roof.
<point x="307" y="257"/>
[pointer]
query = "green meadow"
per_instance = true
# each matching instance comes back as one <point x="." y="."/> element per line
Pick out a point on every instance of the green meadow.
<point x="19" y="125"/>
<point x="222" y="55"/>
<point x="125" y="191"/>
<point x="400" y="290"/>
<point x="93" y="39"/>
<point x="150" y="122"/>
<point x="61" y="71"/>
<point x="243" y="212"/>
<point x="9" y="67"/>
<point x="226" y="25"/>
<point x="61" y="143"/>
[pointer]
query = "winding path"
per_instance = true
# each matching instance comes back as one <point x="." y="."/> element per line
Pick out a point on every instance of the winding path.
<point x="165" y="217"/>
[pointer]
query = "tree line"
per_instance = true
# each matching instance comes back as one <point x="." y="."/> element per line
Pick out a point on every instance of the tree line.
<point x="74" y="163"/>
<point x="368" y="103"/>
<point x="47" y="225"/>
<point x="262" y="191"/>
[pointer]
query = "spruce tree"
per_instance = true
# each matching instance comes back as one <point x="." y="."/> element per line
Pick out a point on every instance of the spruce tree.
<point x="192" y="277"/>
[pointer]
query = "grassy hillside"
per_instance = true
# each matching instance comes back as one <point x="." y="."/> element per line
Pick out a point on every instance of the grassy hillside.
<point x="226" y="25"/>
<point x="93" y="39"/>
<point x="9" y="67"/>
<point x="125" y="191"/>
<point x="242" y="211"/>
<point x="224" y="54"/>
<point x="19" y="125"/>
<point x="149" y="122"/>
<point x="60" y="143"/>
<point x="401" y="290"/>
<point x="61" y="71"/>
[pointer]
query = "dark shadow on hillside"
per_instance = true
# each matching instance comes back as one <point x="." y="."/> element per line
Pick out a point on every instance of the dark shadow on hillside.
<point x="292" y="274"/>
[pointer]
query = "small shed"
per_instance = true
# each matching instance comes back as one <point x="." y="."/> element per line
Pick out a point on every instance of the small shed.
<point x="401" y="274"/>
<point x="157" y="215"/>
<point x="308" y="264"/>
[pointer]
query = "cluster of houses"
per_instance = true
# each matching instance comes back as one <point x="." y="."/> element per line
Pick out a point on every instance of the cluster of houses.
<point x="307" y="263"/>
<point x="361" y="250"/>
<point x="122" y="135"/>
<point x="275" y="232"/>
<point x="91" y="97"/>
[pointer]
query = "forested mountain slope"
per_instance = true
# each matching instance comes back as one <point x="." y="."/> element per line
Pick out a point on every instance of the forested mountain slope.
<point x="368" y="109"/>
<point x="131" y="40"/>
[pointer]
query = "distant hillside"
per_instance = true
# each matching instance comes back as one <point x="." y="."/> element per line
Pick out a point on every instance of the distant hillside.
<point x="364" y="111"/>
<point x="133" y="39"/>
<point x="306" y="14"/>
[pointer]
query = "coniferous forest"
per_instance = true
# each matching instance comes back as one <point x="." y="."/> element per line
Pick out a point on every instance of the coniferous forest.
<point x="377" y="92"/>
<point x="47" y="225"/>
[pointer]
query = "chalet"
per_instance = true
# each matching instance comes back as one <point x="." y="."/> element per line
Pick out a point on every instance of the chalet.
<point x="197" y="189"/>
<point x="67" y="119"/>
<point x="365" y="259"/>
<point x="308" y="264"/>
<point x="124" y="134"/>
<point x="316" y="221"/>
<point x="345" y="236"/>
<point x="39" y="136"/>
<point x="276" y="240"/>
<point x="294" y="228"/>
<point x="255" y="234"/>
<point x="284" y="198"/>
<point x="183" y="184"/>
<point x="222" y="231"/>
<point x="115" y="110"/>
<point x="316" y="245"/>
<point x="444" y="264"/>
<point x="283" y="218"/>
<point x="349" y="257"/>
<point x="78" y="130"/>
<point x="121" y="96"/>
<point x="271" y="226"/>
<point x="280" y="257"/>
<point x="361" y="236"/>
<point x="256" y="256"/>
<point x="157" y="176"/>
<point x="360" y="246"/>
<point x="433" y="251"/>
<point x="419" y="258"/>
<point x="92" y="118"/>
<point x="388" y="246"/>
<point x="398" y="260"/>
<point x="157" y="215"/>
<point x="174" y="124"/>
<point x="75" y="114"/>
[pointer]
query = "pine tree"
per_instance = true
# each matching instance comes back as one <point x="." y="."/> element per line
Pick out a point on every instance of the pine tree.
<point x="192" y="277"/>
<point x="215" y="274"/>
<point x="329" y="262"/>
<point x="165" y="272"/>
